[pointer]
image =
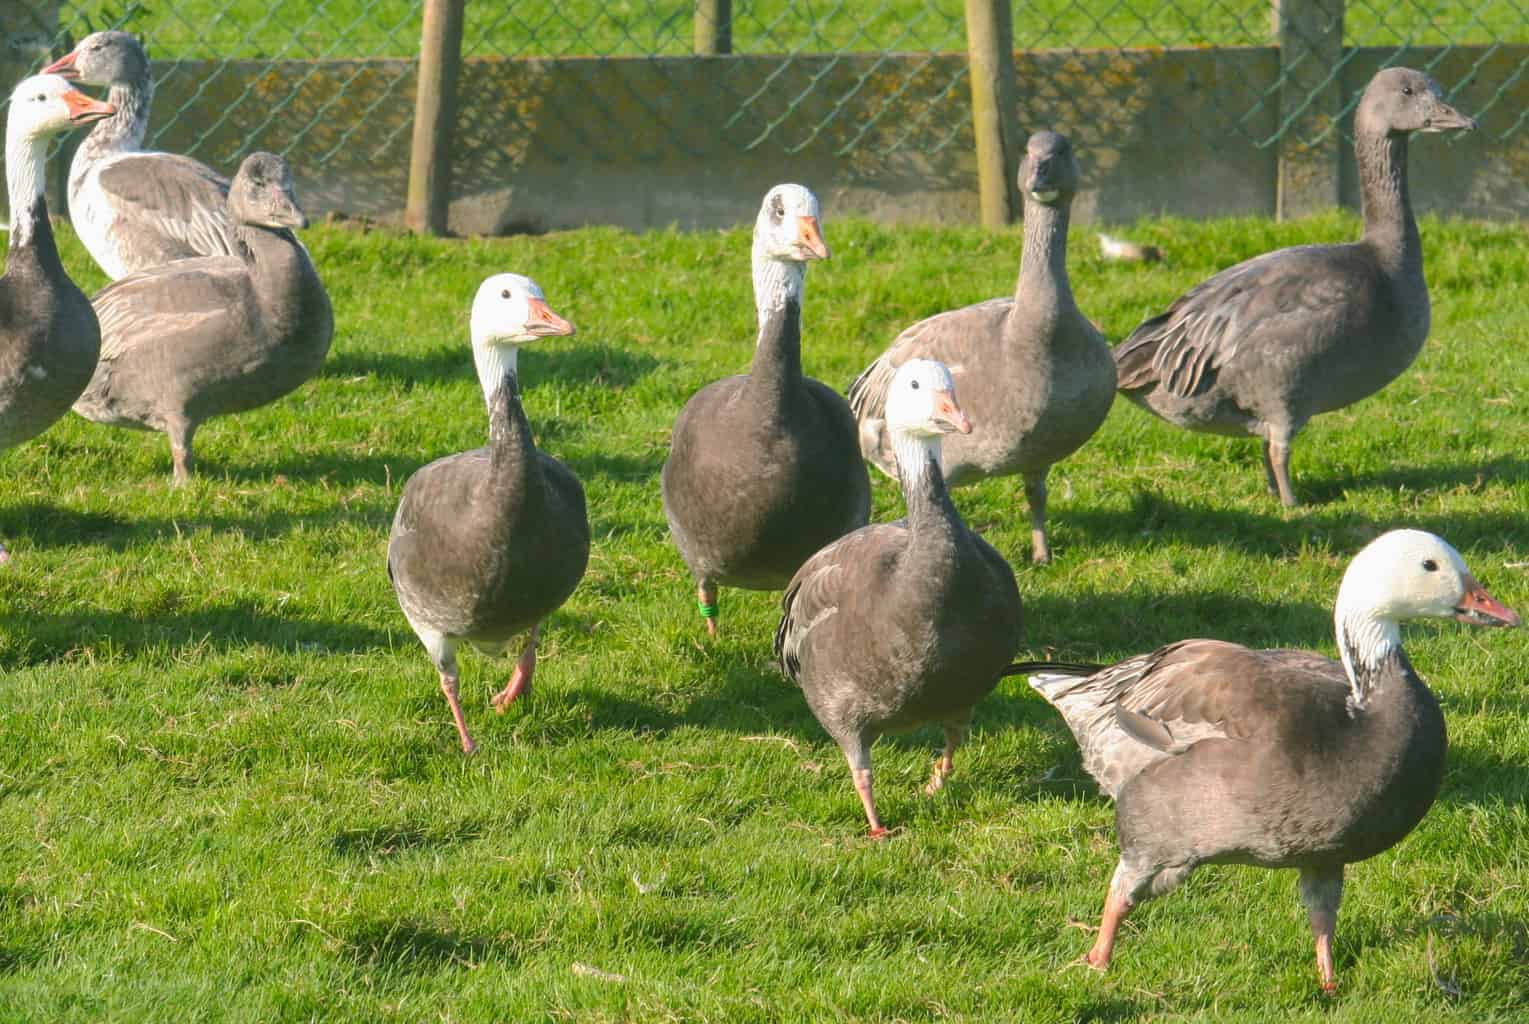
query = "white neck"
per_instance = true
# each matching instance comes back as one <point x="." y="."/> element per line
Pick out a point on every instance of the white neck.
<point x="493" y="362"/>
<point x="913" y="453"/>
<point x="775" y="281"/>
<point x="24" y="167"/>
<point x="1365" y="641"/>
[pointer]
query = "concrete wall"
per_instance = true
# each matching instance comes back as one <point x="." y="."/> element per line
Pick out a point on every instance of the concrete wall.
<point x="545" y="144"/>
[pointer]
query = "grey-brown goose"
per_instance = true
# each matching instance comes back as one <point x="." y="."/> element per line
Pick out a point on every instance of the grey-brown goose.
<point x="199" y="338"/>
<point x="1217" y="754"/>
<point x="1035" y="375"/>
<point x="487" y="543"/>
<point x="49" y="338"/>
<point x="1271" y="342"/>
<point x="134" y="208"/>
<point x="906" y="623"/>
<point x="763" y="468"/>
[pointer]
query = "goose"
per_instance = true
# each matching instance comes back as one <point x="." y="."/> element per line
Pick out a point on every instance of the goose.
<point x="1036" y="376"/>
<point x="134" y="208"/>
<point x="487" y="543"/>
<point x="1217" y="754"/>
<point x="198" y="338"/>
<point x="49" y="338"/>
<point x="763" y="469"/>
<point x="901" y="624"/>
<point x="1264" y="346"/>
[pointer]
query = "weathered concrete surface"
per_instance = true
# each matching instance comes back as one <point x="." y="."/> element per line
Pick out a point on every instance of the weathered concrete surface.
<point x="545" y="144"/>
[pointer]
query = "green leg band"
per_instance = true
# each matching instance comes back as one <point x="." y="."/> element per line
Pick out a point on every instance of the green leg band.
<point x="707" y="610"/>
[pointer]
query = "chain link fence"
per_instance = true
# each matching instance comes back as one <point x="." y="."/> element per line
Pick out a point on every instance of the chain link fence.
<point x="861" y="80"/>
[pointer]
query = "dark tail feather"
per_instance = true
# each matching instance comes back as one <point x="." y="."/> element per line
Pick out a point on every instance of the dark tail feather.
<point x="1064" y="668"/>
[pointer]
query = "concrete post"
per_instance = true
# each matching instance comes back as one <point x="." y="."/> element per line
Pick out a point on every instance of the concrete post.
<point x="995" y="116"/>
<point x="713" y="27"/>
<point x="1310" y="38"/>
<point x="435" y="115"/>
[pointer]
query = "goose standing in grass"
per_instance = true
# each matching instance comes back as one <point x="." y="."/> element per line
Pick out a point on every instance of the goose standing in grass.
<point x="1035" y="375"/>
<point x="901" y="624"/>
<point x="1217" y="754"/>
<point x="49" y="338"/>
<point x="1271" y="342"/>
<point x="134" y="208"/>
<point x="198" y="338"/>
<point x="487" y="543"/>
<point x="763" y="469"/>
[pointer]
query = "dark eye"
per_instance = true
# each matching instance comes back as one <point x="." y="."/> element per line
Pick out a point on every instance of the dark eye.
<point x="504" y="294"/>
<point x="914" y="385"/>
<point x="1406" y="90"/>
<point x="778" y="208"/>
<point x="1429" y="565"/>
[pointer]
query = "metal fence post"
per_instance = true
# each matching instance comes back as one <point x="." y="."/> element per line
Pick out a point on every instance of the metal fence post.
<point x="1310" y="38"/>
<point x="995" y="116"/>
<point x="713" y="27"/>
<point x="435" y="115"/>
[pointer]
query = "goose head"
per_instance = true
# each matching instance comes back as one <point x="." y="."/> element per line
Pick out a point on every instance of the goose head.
<point x="1400" y="101"/>
<point x="104" y="58"/>
<point x="262" y="194"/>
<point x="922" y="402"/>
<point x="1049" y="173"/>
<point x="788" y="226"/>
<point x="509" y="311"/>
<point x="45" y="105"/>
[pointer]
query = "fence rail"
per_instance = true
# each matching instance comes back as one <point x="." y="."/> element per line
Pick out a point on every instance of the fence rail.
<point x="864" y="83"/>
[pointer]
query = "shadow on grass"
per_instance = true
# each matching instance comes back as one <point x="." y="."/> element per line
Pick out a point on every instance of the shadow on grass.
<point x="574" y="362"/>
<point x="1503" y="469"/>
<point x="436" y="366"/>
<point x="383" y="469"/>
<point x="1477" y="775"/>
<point x="408" y="947"/>
<point x="401" y="837"/>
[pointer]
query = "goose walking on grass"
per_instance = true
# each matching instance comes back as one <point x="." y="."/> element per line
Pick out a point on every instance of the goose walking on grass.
<point x="198" y="338"/>
<point x="49" y="338"/>
<point x="763" y="468"/>
<point x="487" y="543"/>
<point x="1265" y="345"/>
<point x="1035" y="375"/>
<point x="134" y="208"/>
<point x="1217" y="754"/>
<point x="906" y="623"/>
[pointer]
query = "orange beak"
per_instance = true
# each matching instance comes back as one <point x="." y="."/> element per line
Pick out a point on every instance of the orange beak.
<point x="947" y="412"/>
<point x="64" y="66"/>
<point x="1479" y="608"/>
<point x="810" y="237"/>
<point x="83" y="109"/>
<point x="545" y="323"/>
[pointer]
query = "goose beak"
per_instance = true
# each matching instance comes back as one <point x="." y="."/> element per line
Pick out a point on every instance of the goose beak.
<point x="64" y="66"/>
<point x="84" y="110"/>
<point x="1479" y="608"/>
<point x="543" y="322"/>
<point x="809" y="239"/>
<point x="1443" y="118"/>
<point x="948" y="415"/>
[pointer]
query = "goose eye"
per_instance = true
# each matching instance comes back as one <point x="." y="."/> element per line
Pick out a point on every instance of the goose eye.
<point x="1429" y="565"/>
<point x="1406" y="90"/>
<point x="914" y="385"/>
<point x="504" y="294"/>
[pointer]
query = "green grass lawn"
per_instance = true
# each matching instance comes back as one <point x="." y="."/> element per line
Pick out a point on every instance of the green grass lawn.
<point x="230" y="787"/>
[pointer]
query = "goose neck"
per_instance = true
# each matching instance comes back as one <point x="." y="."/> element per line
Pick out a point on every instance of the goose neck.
<point x="1043" y="260"/>
<point x="923" y="482"/>
<point x="124" y="130"/>
<point x="1371" y="649"/>
<point x="24" y="181"/>
<point x="495" y="363"/>
<point x="1389" y="225"/>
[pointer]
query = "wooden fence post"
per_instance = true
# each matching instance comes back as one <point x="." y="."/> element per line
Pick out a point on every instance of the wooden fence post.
<point x="435" y="115"/>
<point x="1310" y="38"/>
<point x="990" y="55"/>
<point x="713" y="27"/>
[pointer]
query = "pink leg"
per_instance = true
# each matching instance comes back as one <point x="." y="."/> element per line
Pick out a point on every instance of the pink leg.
<point x="863" y="787"/>
<point x="1322" y="893"/>
<point x="449" y="688"/>
<point x="706" y="600"/>
<point x="1116" y="906"/>
<point x="520" y="679"/>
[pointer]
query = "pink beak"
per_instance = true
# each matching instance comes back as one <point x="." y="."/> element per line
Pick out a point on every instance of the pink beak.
<point x="810" y="237"/>
<point x="947" y="411"/>
<point x="64" y="66"/>
<point x="83" y="109"/>
<point x="543" y="322"/>
<point x="1479" y="608"/>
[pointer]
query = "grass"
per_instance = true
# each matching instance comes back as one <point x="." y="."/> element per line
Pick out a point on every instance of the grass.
<point x="302" y="29"/>
<point x="230" y="788"/>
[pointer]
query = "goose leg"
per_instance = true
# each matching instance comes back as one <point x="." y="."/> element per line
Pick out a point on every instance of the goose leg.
<point x="706" y="600"/>
<point x="5" y="556"/>
<point x="1321" y="892"/>
<point x="180" y="432"/>
<point x="858" y="753"/>
<point x="449" y="687"/>
<point x="944" y="766"/>
<point x="1130" y="885"/>
<point x="520" y="679"/>
<point x="1277" y="466"/>
<point x="442" y="651"/>
<point x="1035" y="494"/>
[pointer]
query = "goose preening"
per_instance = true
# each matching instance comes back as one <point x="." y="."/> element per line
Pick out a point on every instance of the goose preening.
<point x="49" y="338"/>
<point x="1217" y="754"/>
<point x="1035" y="375"/>
<point x="1271" y="342"/>
<point x="134" y="208"/>
<point x="198" y="338"/>
<point x="763" y="468"/>
<point x="487" y="543"/>
<point x="906" y="623"/>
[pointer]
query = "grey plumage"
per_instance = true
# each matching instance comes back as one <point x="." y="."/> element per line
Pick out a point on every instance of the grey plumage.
<point x="763" y="468"/>
<point x="199" y="338"/>
<point x="901" y="624"/>
<point x="1217" y="754"/>
<point x="1271" y="342"/>
<point x="1034" y="374"/>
